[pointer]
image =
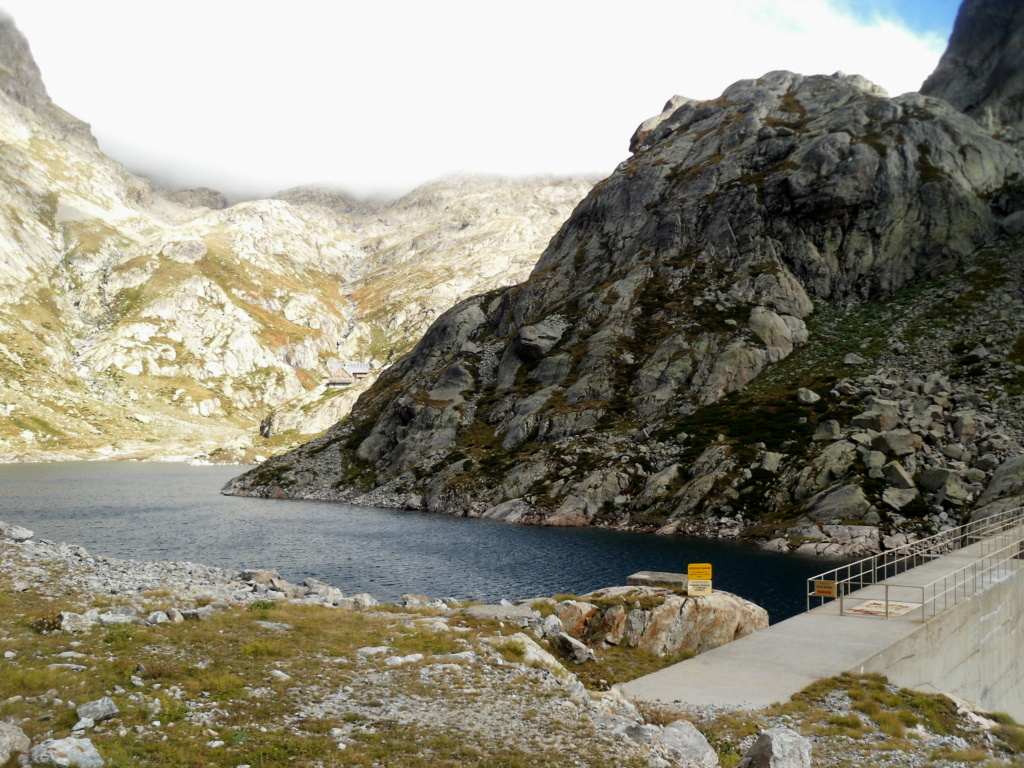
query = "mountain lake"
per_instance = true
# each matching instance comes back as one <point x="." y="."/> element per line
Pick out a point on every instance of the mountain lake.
<point x="175" y="512"/>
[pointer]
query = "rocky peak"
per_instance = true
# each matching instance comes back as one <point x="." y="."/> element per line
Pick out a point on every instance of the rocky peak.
<point x="684" y="277"/>
<point x="200" y="197"/>
<point x="982" y="70"/>
<point x="22" y="82"/>
<point x="19" y="75"/>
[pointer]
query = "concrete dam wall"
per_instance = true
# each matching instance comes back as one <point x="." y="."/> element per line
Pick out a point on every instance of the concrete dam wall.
<point x="975" y="650"/>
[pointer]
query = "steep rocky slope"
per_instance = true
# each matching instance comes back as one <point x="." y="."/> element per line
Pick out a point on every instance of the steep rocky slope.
<point x="795" y="306"/>
<point x="147" y="322"/>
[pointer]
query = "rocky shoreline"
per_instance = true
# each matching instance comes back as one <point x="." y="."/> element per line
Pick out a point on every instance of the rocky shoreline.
<point x="107" y="660"/>
<point x="130" y="592"/>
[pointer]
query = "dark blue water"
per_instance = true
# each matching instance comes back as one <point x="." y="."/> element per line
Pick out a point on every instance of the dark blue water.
<point x="175" y="512"/>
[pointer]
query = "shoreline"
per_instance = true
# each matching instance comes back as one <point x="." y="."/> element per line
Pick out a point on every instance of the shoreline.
<point x="239" y="680"/>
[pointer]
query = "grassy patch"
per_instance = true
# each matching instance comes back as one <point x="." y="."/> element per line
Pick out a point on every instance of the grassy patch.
<point x="618" y="664"/>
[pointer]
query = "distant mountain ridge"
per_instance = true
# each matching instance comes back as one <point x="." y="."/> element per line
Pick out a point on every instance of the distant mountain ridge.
<point x="140" y="322"/>
<point x="794" y="312"/>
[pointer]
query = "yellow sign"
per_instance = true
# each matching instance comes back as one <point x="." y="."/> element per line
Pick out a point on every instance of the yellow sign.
<point x="825" y="589"/>
<point x="698" y="587"/>
<point x="698" y="571"/>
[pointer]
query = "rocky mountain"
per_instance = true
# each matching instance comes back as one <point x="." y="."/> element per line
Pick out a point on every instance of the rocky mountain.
<point x="794" y="312"/>
<point x="141" y="322"/>
<point x="982" y="71"/>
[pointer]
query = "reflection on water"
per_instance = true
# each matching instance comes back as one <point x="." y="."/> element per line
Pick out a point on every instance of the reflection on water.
<point x="175" y="512"/>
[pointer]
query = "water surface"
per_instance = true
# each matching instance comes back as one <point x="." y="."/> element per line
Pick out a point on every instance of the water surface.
<point x="156" y="511"/>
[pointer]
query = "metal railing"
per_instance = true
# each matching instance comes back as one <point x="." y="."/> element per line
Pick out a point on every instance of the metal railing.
<point x="998" y="541"/>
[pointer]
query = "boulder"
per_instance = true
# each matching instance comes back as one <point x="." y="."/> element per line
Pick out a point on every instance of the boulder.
<point x="827" y="430"/>
<point x="835" y="462"/>
<point x="842" y="502"/>
<point x="533" y="654"/>
<point x="1007" y="481"/>
<point x="551" y="626"/>
<point x="68" y="753"/>
<point x="574" y="615"/>
<point x="685" y="746"/>
<point x="874" y="461"/>
<point x="806" y="396"/>
<point x="897" y="442"/>
<point x="79" y="622"/>
<point x="14" y="532"/>
<point x="896" y="476"/>
<point x="945" y="484"/>
<point x="853" y="359"/>
<point x="699" y="623"/>
<point x="673" y="622"/>
<point x="12" y="741"/>
<point x="965" y="426"/>
<point x="898" y="498"/>
<point x="613" y="625"/>
<point x="98" y="710"/>
<point x="636" y="623"/>
<point x="876" y="419"/>
<point x="935" y="478"/>
<point x="363" y="600"/>
<point x="778" y="748"/>
<point x="511" y="511"/>
<point x="572" y="648"/>
<point x="770" y="328"/>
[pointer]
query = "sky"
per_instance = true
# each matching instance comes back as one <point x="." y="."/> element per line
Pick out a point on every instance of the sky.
<point x="251" y="97"/>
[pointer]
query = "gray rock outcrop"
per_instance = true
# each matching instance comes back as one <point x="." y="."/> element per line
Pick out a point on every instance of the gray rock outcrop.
<point x="77" y="753"/>
<point x="14" y="532"/>
<point x="99" y="710"/>
<point x="660" y="620"/>
<point x="13" y="741"/>
<point x="778" y="748"/>
<point x="685" y="746"/>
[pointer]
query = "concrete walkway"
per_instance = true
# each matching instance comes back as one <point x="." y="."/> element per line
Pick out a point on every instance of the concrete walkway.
<point x="771" y="665"/>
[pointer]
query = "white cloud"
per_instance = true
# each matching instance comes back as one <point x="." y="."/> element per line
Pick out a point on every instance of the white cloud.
<point x="252" y="97"/>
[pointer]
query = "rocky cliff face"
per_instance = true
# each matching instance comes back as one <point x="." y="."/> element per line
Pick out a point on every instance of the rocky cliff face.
<point x="665" y="364"/>
<point x="148" y="322"/>
<point x="982" y="71"/>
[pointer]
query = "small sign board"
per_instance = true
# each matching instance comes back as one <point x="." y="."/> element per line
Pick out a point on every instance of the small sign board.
<point x="699" y="587"/>
<point x="698" y="572"/>
<point x="826" y="589"/>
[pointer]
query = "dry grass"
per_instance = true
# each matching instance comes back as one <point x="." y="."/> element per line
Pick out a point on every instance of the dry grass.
<point x="617" y="664"/>
<point x="216" y="673"/>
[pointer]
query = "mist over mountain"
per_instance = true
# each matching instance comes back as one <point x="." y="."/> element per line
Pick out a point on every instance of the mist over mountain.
<point x="146" y="322"/>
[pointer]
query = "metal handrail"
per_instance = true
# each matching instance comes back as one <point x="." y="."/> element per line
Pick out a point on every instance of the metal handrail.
<point x="1002" y="542"/>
